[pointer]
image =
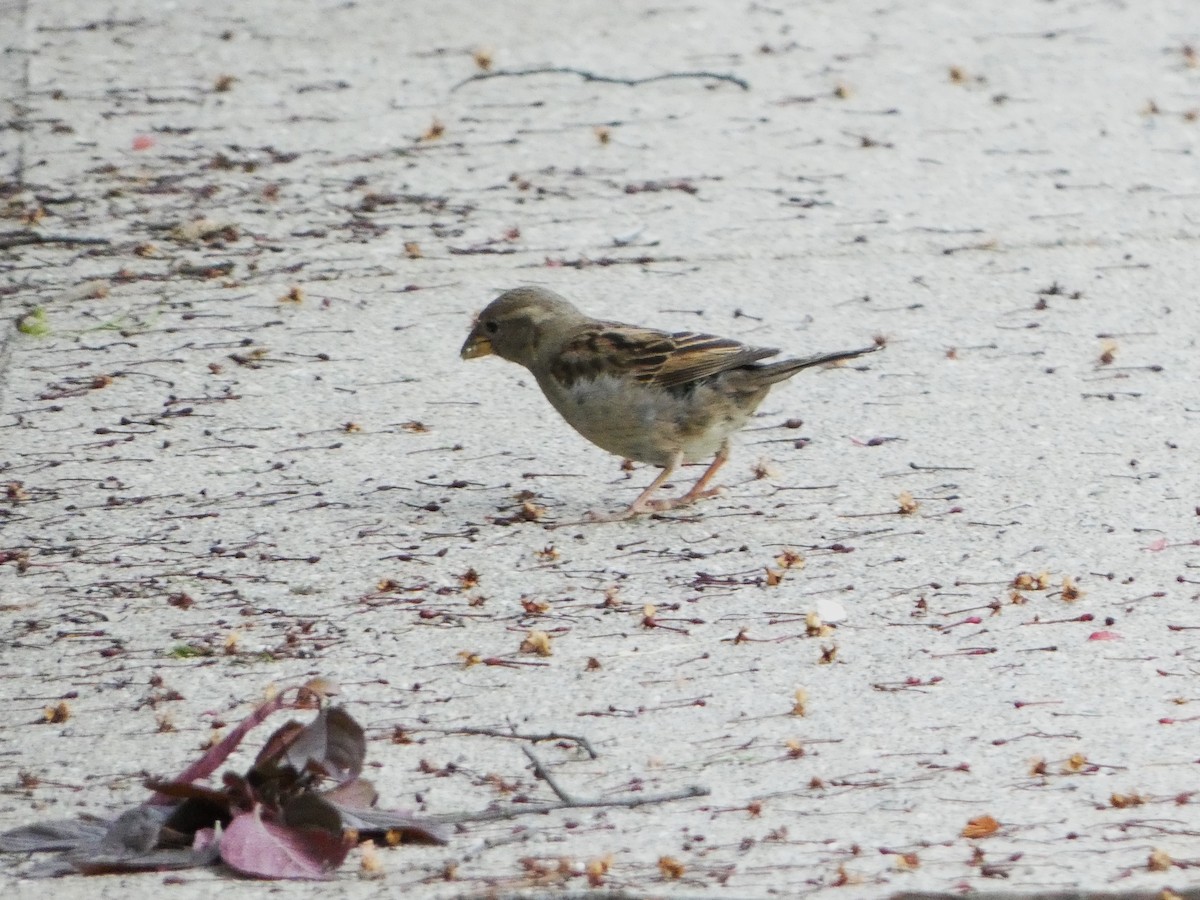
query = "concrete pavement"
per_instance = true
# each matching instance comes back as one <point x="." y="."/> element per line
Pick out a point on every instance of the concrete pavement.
<point x="239" y="449"/>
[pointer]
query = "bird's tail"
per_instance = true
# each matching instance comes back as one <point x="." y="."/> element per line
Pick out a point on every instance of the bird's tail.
<point x="774" y="372"/>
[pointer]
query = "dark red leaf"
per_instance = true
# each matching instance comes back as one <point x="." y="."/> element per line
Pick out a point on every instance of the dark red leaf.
<point x="99" y="861"/>
<point x="198" y="813"/>
<point x="277" y="744"/>
<point x="263" y="849"/>
<point x="218" y="753"/>
<point x="204" y="838"/>
<point x="310" y="811"/>
<point x="332" y="744"/>
<point x="358" y="792"/>
<point x="179" y="790"/>
<point x="376" y="823"/>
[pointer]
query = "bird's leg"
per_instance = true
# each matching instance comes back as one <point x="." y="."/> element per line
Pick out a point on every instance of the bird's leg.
<point x="699" y="490"/>
<point x="643" y="504"/>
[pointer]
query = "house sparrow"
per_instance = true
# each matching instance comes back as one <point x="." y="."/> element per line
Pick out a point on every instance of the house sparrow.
<point x="659" y="398"/>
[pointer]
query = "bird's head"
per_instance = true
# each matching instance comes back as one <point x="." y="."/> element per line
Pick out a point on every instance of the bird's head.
<point x="517" y="324"/>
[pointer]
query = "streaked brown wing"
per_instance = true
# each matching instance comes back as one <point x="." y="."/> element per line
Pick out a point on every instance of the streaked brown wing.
<point x="650" y="356"/>
<point x="697" y="356"/>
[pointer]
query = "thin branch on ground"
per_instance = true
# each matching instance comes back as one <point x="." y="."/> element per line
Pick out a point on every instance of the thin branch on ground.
<point x="10" y="239"/>
<point x="583" y="742"/>
<point x="512" y="812"/>
<point x="607" y="79"/>
<point x="543" y="773"/>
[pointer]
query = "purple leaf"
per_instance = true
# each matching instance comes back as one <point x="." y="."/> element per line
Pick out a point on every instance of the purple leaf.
<point x="312" y="811"/>
<point x="180" y="790"/>
<point x="356" y="793"/>
<point x="94" y="847"/>
<point x="218" y="753"/>
<point x="355" y="801"/>
<point x="277" y="744"/>
<point x="263" y="849"/>
<point x="134" y="831"/>
<point x="55" y="867"/>
<point x="61" y="834"/>
<point x="100" y="860"/>
<point x="371" y="822"/>
<point x="332" y="744"/>
<point x="196" y="813"/>
<point x="205" y="838"/>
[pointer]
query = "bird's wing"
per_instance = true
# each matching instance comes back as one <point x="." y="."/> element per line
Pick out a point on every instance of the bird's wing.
<point x="649" y="356"/>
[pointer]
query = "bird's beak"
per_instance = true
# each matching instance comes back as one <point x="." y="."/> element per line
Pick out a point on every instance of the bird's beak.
<point x="476" y="345"/>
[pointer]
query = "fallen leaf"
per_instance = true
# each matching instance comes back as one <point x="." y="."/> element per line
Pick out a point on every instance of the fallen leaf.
<point x="980" y="827"/>
<point x="264" y="849"/>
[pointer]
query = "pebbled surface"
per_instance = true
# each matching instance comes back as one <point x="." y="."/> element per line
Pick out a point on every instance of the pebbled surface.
<point x="242" y="452"/>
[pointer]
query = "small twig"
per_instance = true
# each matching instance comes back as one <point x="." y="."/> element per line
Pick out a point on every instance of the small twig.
<point x="512" y="735"/>
<point x="10" y="239"/>
<point x="511" y="812"/>
<point x="543" y="773"/>
<point x="607" y="79"/>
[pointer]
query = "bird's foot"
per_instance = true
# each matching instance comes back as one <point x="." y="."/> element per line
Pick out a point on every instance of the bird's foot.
<point x="686" y="500"/>
<point x="624" y="515"/>
<point x="645" y="507"/>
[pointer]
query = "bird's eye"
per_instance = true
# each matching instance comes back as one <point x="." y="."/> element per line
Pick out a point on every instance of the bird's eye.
<point x="491" y="327"/>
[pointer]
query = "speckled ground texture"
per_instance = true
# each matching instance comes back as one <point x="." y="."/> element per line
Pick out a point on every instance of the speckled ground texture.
<point x="239" y="453"/>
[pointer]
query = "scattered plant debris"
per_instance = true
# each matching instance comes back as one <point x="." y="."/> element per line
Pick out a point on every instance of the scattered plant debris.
<point x="276" y="821"/>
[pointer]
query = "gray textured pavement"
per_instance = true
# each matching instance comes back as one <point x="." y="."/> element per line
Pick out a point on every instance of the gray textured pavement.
<point x="238" y="448"/>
